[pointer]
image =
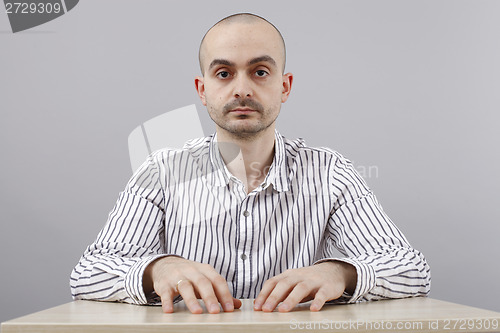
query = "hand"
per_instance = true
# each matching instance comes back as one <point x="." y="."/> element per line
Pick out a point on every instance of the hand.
<point x="198" y="281"/>
<point x="323" y="282"/>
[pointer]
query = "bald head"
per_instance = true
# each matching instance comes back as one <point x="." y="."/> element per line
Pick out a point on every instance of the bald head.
<point x="242" y="19"/>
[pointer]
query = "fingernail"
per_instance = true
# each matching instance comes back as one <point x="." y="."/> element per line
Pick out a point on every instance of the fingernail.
<point x="214" y="308"/>
<point x="267" y="307"/>
<point x="257" y="305"/>
<point x="284" y="307"/>
<point x="229" y="306"/>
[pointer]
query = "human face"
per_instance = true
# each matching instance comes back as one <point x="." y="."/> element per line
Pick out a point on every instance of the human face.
<point x="243" y="85"/>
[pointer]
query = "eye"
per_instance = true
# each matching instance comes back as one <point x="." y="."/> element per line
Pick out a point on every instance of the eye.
<point x="261" y="73"/>
<point x="222" y="75"/>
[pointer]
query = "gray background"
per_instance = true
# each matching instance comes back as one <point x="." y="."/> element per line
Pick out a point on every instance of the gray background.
<point x="411" y="87"/>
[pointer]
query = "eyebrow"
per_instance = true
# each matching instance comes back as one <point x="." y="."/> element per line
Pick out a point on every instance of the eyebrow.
<point x="264" y="58"/>
<point x="224" y="62"/>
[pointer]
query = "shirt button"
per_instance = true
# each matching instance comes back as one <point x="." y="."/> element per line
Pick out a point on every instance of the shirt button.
<point x="243" y="256"/>
<point x="264" y="185"/>
<point x="246" y="213"/>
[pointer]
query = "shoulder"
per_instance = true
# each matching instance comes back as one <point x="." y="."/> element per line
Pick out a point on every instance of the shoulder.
<point x="297" y="148"/>
<point x="191" y="153"/>
<point x="193" y="147"/>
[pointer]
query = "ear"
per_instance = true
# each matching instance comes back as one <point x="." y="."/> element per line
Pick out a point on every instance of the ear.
<point x="200" y="89"/>
<point x="287" y="86"/>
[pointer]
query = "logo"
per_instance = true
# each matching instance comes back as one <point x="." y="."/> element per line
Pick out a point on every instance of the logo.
<point x="25" y="15"/>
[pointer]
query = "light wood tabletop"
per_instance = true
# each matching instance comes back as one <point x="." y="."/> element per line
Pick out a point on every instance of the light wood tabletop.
<point x="404" y="315"/>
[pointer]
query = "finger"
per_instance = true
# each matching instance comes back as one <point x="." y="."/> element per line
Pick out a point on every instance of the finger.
<point x="266" y="290"/>
<point x="186" y="290"/>
<point x="319" y="300"/>
<point x="237" y="303"/>
<point x="301" y="291"/>
<point x="222" y="292"/>
<point x="167" y="302"/>
<point x="206" y="290"/>
<point x="279" y="293"/>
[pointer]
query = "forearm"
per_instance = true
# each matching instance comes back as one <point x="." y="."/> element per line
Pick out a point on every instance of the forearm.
<point x="105" y="276"/>
<point x="112" y="268"/>
<point x="400" y="273"/>
<point x="396" y="273"/>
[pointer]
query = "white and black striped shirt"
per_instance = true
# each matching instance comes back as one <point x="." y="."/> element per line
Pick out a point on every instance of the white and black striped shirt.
<point x="185" y="202"/>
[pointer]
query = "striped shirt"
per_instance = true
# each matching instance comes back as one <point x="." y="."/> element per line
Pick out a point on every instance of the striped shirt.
<point x="185" y="202"/>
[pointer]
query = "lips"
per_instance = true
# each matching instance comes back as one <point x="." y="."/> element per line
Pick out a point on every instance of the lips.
<point x="243" y="106"/>
<point x="242" y="111"/>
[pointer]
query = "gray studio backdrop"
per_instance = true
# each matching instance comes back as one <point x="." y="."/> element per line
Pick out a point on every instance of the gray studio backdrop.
<point x="408" y="90"/>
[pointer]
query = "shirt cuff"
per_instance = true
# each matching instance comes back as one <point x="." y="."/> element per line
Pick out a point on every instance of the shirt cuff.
<point x="133" y="280"/>
<point x="365" y="278"/>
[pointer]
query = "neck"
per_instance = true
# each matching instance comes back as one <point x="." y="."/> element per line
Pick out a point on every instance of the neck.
<point x="248" y="158"/>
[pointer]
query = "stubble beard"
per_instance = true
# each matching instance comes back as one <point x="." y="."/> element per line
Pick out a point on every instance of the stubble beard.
<point x="239" y="130"/>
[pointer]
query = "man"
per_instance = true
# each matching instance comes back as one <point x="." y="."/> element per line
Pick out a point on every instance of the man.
<point x="260" y="221"/>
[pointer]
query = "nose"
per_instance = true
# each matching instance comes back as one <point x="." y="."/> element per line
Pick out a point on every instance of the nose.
<point x="242" y="87"/>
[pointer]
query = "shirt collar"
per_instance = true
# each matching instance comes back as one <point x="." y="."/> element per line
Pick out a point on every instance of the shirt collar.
<point x="277" y="175"/>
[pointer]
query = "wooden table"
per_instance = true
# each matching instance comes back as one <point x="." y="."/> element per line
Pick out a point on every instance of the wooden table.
<point x="405" y="315"/>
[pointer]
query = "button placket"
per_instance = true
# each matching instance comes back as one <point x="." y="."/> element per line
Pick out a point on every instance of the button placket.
<point x="244" y="245"/>
<point x="246" y="229"/>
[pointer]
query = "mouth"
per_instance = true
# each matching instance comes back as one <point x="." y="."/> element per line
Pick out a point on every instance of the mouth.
<point x="242" y="110"/>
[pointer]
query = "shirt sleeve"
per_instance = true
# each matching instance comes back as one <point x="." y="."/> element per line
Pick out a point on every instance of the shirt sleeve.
<point x="386" y="264"/>
<point x="112" y="267"/>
